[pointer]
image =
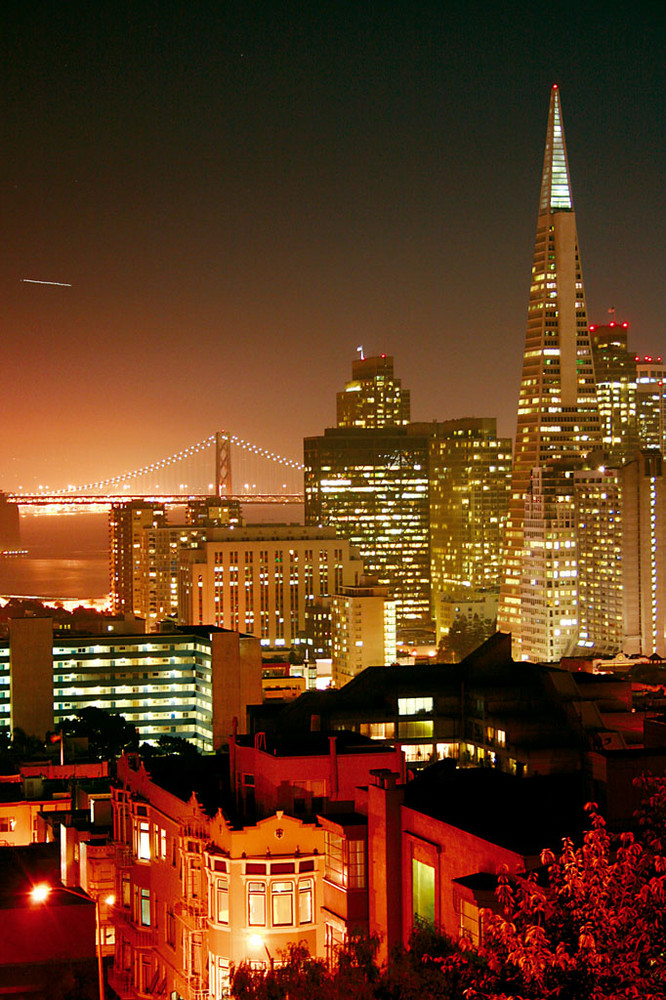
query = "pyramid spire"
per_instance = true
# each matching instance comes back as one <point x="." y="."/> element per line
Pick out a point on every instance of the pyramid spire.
<point x="555" y="184"/>
<point x="557" y="425"/>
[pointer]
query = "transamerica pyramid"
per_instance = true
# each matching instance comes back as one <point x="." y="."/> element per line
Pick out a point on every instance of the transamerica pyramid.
<point x="558" y="417"/>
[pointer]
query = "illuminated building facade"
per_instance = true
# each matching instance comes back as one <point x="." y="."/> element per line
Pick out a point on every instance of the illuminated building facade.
<point x="558" y="416"/>
<point x="644" y="554"/>
<point x="651" y="402"/>
<point x="598" y="519"/>
<point x="549" y="594"/>
<point x="260" y="579"/>
<point x="615" y="373"/>
<point x="374" y="397"/>
<point x="186" y="683"/>
<point x="362" y="628"/>
<point x="372" y="486"/>
<point x="368" y="478"/>
<point x="470" y="479"/>
<point x="199" y="895"/>
<point x="145" y="553"/>
<point x="132" y="529"/>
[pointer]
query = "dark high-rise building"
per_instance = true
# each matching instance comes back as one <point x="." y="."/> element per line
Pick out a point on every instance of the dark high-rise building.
<point x="558" y="416"/>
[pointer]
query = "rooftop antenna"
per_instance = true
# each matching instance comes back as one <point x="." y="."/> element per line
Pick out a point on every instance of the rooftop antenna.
<point x="360" y="351"/>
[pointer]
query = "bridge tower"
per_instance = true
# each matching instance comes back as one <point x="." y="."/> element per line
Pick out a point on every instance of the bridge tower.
<point x="222" y="464"/>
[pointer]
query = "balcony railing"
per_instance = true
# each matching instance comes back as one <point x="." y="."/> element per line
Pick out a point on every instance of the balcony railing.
<point x="193" y="912"/>
<point x="192" y="987"/>
<point x="121" y="983"/>
<point x="138" y="937"/>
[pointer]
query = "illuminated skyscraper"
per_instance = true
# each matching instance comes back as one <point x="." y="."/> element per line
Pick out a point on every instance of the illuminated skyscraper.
<point x="599" y="557"/>
<point x="368" y="478"/>
<point x="132" y="528"/>
<point x="558" y="416"/>
<point x="372" y="486"/>
<point x="651" y="402"/>
<point x="470" y="478"/>
<point x="374" y="397"/>
<point x="615" y="372"/>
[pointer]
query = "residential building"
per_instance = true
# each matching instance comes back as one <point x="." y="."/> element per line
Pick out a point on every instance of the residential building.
<point x="489" y="710"/>
<point x="132" y="528"/>
<point x="558" y="416"/>
<point x="190" y="683"/>
<point x="363" y="629"/>
<point x="262" y="579"/>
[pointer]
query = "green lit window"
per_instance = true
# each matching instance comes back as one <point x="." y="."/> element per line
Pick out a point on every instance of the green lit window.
<point x="423" y="891"/>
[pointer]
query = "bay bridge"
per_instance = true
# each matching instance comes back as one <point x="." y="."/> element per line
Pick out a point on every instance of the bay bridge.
<point x="201" y="469"/>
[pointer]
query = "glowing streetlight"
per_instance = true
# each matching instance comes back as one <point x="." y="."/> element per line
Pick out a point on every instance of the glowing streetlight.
<point x="256" y="941"/>
<point x="42" y="891"/>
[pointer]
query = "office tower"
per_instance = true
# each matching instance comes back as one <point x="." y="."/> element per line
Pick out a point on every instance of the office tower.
<point x="549" y="596"/>
<point x="558" y="416"/>
<point x="132" y="529"/>
<point x="470" y="479"/>
<point x="363" y="629"/>
<point x="372" y="486"/>
<point x="651" y="402"/>
<point x="615" y="373"/>
<point x="598" y="522"/>
<point x="644" y="554"/>
<point x="260" y="579"/>
<point x="374" y="397"/>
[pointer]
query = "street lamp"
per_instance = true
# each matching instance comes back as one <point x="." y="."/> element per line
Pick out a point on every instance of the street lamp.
<point x="41" y="892"/>
<point x="257" y="942"/>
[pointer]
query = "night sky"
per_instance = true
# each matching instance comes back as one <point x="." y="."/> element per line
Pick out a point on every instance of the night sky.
<point x="240" y="194"/>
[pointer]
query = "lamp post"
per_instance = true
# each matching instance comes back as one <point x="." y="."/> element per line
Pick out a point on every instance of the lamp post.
<point x="40" y="894"/>
<point x="257" y="942"/>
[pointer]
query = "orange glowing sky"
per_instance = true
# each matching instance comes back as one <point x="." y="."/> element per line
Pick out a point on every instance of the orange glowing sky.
<point x="240" y="194"/>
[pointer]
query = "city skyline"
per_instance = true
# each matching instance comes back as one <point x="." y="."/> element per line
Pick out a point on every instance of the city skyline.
<point x="232" y="201"/>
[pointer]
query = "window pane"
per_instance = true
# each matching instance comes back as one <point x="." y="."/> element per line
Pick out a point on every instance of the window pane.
<point x="256" y="892"/>
<point x="145" y="907"/>
<point x="143" y="841"/>
<point x="222" y="902"/>
<point x="282" y="895"/>
<point x="305" y="902"/>
<point x="423" y="891"/>
<point x="356" y="864"/>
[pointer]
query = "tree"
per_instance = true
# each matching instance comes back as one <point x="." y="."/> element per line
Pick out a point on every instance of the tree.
<point x="108" y="735"/>
<point x="466" y="635"/>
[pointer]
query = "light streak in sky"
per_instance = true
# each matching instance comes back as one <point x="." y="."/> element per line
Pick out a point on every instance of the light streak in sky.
<point x="36" y="281"/>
